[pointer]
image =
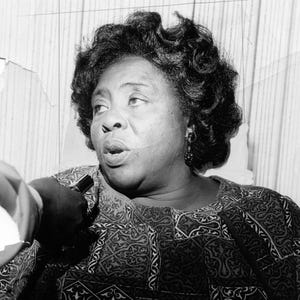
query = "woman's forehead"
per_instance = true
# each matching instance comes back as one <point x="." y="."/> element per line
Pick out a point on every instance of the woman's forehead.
<point x="132" y="71"/>
<point x="139" y="66"/>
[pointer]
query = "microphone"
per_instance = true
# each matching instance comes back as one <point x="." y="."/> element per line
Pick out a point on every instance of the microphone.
<point x="83" y="184"/>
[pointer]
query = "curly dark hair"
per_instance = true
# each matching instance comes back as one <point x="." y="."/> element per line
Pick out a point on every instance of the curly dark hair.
<point x="187" y="55"/>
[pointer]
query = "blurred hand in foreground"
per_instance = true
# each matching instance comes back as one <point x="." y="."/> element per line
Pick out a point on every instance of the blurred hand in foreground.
<point x="19" y="202"/>
<point x="51" y="213"/>
<point x="64" y="213"/>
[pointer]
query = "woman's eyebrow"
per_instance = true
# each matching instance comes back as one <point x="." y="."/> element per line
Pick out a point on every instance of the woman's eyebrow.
<point x="125" y="84"/>
<point x="99" y="92"/>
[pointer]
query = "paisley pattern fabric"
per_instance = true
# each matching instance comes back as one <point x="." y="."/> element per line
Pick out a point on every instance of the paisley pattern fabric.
<point x="246" y="245"/>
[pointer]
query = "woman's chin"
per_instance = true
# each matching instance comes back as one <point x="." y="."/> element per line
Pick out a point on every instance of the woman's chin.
<point x="122" y="178"/>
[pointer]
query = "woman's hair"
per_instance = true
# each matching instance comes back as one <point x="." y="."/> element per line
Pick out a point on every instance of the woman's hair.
<point x="188" y="57"/>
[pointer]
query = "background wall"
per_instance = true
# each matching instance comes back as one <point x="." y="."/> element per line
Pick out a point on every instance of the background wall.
<point x="38" y="41"/>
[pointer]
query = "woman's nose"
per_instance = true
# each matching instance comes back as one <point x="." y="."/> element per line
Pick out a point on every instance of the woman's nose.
<point x="113" y="120"/>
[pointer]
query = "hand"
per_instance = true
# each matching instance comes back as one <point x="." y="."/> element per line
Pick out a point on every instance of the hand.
<point x="18" y="201"/>
<point x="64" y="213"/>
<point x="9" y="186"/>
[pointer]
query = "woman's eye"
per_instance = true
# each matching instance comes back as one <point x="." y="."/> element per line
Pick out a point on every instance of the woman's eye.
<point x="100" y="108"/>
<point x="136" y="101"/>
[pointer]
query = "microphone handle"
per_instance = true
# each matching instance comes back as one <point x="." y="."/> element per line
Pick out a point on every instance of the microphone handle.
<point x="83" y="184"/>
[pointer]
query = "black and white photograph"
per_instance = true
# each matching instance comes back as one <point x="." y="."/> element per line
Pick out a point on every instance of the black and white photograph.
<point x="150" y="149"/>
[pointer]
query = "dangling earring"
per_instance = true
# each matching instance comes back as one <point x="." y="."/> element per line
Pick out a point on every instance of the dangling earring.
<point x="190" y="138"/>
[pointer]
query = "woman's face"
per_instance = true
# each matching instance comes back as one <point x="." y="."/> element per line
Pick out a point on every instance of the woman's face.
<point x="138" y="128"/>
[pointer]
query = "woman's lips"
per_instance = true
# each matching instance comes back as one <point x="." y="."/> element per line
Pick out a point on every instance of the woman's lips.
<point x="116" y="159"/>
<point x="115" y="152"/>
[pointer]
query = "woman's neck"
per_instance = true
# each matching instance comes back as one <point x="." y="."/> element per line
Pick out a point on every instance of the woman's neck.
<point x="193" y="193"/>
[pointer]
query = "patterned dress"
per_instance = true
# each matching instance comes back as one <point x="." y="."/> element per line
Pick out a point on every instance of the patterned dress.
<point x="246" y="245"/>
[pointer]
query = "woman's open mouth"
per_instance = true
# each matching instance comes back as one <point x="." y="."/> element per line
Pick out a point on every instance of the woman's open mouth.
<point x="115" y="153"/>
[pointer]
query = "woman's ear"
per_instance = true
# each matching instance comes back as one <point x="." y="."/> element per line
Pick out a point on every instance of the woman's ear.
<point x="190" y="127"/>
<point x="188" y="131"/>
<point x="187" y="121"/>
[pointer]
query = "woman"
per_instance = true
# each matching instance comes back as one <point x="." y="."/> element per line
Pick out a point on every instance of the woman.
<point x="158" y="107"/>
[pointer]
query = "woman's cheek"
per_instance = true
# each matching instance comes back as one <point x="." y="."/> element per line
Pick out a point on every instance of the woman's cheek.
<point x="96" y="134"/>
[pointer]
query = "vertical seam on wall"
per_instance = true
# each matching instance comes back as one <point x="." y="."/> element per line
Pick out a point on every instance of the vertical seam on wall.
<point x="26" y="167"/>
<point x="193" y="13"/>
<point x="58" y="86"/>
<point x="254" y="63"/>
<point x="80" y="44"/>
<point x="252" y="149"/>
<point x="243" y="58"/>
<point x="81" y="24"/>
<point x="284" y="88"/>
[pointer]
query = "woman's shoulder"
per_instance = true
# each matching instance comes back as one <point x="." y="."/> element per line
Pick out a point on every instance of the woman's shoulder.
<point x="266" y="227"/>
<point x="264" y="210"/>
<point x="261" y="208"/>
<point x="247" y="196"/>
